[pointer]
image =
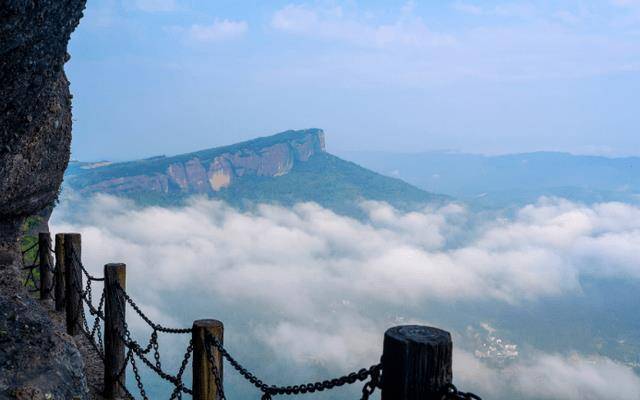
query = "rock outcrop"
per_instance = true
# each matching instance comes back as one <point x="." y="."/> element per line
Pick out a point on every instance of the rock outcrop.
<point x="285" y="169"/>
<point x="210" y="171"/>
<point x="37" y="361"/>
<point x="35" y="110"/>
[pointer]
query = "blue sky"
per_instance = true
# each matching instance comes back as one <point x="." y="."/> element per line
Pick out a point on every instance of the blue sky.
<point x="169" y="76"/>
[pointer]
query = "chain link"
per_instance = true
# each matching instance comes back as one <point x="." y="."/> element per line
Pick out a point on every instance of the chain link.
<point x="153" y="325"/>
<point x="373" y="373"/>
<point x="135" y="347"/>
<point x="271" y="390"/>
<point x="216" y="374"/>
<point x="86" y="273"/>
<point x="177" y="392"/>
<point x="451" y="392"/>
<point x="28" y="249"/>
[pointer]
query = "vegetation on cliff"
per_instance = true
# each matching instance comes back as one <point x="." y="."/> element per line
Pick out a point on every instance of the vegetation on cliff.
<point x="284" y="169"/>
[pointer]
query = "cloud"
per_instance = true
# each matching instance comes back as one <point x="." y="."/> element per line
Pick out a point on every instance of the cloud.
<point x="394" y="257"/>
<point x="547" y="376"/>
<point x="220" y="30"/>
<point x="402" y="46"/>
<point x="507" y="10"/>
<point x="468" y="8"/>
<point x="325" y="286"/>
<point x="626" y="3"/>
<point x="333" y="23"/>
<point x="155" y="5"/>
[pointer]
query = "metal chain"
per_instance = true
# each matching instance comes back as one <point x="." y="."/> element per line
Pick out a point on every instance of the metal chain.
<point x="153" y="325"/>
<point x="373" y="383"/>
<point x="156" y="348"/>
<point x="271" y="390"/>
<point x="451" y="392"/>
<point x="84" y="270"/>
<point x="140" y="352"/>
<point x="35" y="264"/>
<point x="95" y="331"/>
<point x="177" y="392"/>
<point x="133" y="346"/>
<point x="33" y="246"/>
<point x="136" y="375"/>
<point x="216" y="374"/>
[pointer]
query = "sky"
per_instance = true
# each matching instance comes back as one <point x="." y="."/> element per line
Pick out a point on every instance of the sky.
<point x="154" y="77"/>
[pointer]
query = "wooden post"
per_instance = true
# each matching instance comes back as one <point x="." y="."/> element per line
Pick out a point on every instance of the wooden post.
<point x="114" y="320"/>
<point x="44" y="244"/>
<point x="58" y="274"/>
<point x="204" y="384"/>
<point x="73" y="280"/>
<point x="416" y="363"/>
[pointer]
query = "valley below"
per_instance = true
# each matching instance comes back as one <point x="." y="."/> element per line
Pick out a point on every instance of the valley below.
<point x="308" y="258"/>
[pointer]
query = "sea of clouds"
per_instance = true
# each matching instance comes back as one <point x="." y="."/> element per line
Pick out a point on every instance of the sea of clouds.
<point x="312" y="291"/>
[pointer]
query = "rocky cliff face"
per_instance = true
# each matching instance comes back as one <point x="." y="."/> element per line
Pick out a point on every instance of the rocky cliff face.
<point x="35" y="111"/>
<point x="205" y="173"/>
<point x="36" y="360"/>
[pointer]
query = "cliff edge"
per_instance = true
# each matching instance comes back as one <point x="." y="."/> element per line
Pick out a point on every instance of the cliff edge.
<point x="37" y="361"/>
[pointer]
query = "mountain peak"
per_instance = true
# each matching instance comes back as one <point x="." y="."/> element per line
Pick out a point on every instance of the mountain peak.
<point x="284" y="168"/>
<point x="210" y="170"/>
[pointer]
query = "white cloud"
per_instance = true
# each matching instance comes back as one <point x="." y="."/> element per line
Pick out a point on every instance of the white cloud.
<point x="626" y="3"/>
<point x="508" y="10"/>
<point x="395" y="257"/>
<point x="219" y="30"/>
<point x="402" y="47"/>
<point x="155" y="5"/>
<point x="335" y="24"/>
<point x="468" y="8"/>
<point x="550" y="376"/>
<point x="320" y="284"/>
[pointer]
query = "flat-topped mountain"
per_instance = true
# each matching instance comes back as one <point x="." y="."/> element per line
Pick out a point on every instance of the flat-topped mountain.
<point x="285" y="168"/>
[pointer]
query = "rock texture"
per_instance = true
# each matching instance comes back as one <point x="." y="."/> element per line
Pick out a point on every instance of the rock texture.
<point x="210" y="171"/>
<point x="286" y="168"/>
<point x="35" y="110"/>
<point x="36" y="360"/>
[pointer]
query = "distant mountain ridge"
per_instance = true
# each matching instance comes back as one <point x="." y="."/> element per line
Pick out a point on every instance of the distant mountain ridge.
<point x="285" y="168"/>
<point x="512" y="179"/>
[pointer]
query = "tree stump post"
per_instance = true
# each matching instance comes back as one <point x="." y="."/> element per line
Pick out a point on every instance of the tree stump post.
<point x="73" y="280"/>
<point x="58" y="274"/>
<point x="114" y="320"/>
<point x="44" y="244"/>
<point x="416" y="363"/>
<point x="204" y="383"/>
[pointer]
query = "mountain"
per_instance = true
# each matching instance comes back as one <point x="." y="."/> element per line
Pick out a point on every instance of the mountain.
<point x="285" y="168"/>
<point x="514" y="179"/>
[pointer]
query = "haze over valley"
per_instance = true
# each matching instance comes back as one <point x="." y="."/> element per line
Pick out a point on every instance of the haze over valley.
<point x="352" y="252"/>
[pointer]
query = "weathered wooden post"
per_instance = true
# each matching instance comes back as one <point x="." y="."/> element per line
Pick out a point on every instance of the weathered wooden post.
<point x="416" y="363"/>
<point x="204" y="384"/>
<point x="114" y="320"/>
<point x="58" y="274"/>
<point x="44" y="244"/>
<point x="73" y="281"/>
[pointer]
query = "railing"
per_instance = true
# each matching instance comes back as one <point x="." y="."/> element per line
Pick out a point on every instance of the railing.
<point x="416" y="361"/>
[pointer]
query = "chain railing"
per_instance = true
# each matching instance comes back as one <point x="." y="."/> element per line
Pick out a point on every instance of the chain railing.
<point x="149" y="354"/>
<point x="271" y="390"/>
<point x="30" y="281"/>
<point x="36" y="266"/>
<point x="133" y="348"/>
